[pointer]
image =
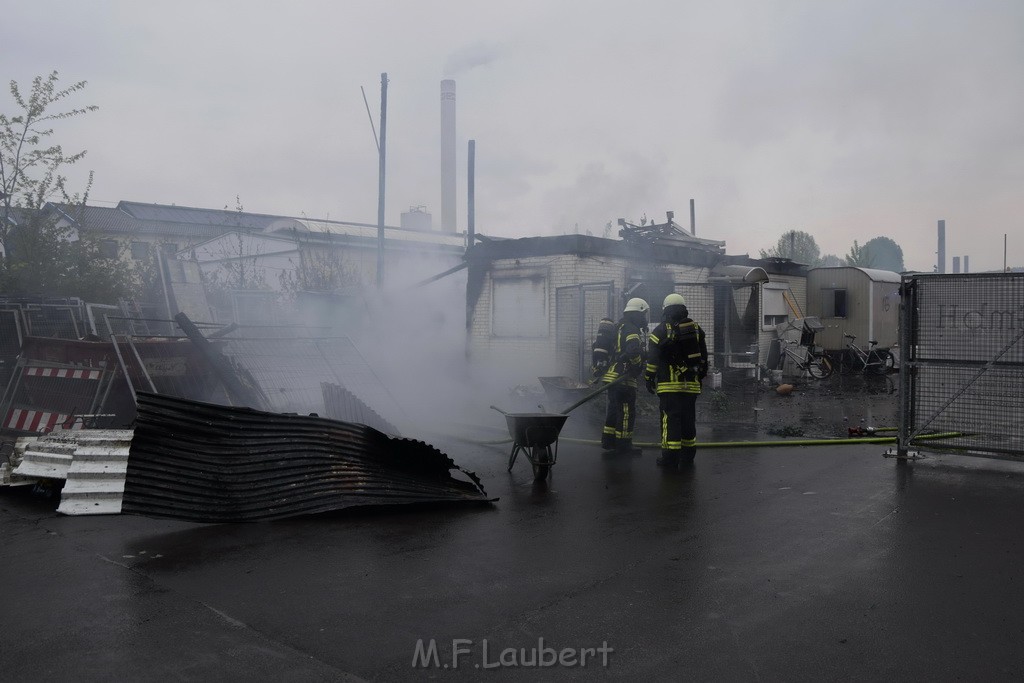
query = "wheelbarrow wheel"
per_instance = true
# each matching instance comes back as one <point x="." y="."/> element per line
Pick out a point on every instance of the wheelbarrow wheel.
<point x="541" y="461"/>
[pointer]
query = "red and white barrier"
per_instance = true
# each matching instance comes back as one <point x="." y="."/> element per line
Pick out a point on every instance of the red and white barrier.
<point x="36" y="420"/>
<point x="64" y="373"/>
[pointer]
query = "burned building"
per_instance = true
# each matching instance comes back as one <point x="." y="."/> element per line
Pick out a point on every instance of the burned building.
<point x="541" y="298"/>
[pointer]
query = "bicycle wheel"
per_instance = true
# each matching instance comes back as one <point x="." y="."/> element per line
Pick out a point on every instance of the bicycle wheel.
<point x="888" y="362"/>
<point x="876" y="364"/>
<point x="819" y="367"/>
<point x="846" y="363"/>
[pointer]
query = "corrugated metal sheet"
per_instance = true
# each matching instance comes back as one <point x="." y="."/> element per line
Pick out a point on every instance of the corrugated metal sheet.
<point x="95" y="480"/>
<point x="342" y="404"/>
<point x="207" y="463"/>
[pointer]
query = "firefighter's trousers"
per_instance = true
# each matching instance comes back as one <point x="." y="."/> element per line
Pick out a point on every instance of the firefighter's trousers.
<point x="679" y="423"/>
<point x="619" y="418"/>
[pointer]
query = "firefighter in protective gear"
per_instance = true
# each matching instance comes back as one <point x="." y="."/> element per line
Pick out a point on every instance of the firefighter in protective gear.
<point x="677" y="363"/>
<point x="626" y="360"/>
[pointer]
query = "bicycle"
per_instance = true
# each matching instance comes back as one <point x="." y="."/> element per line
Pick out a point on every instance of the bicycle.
<point x="817" y="365"/>
<point x="873" y="361"/>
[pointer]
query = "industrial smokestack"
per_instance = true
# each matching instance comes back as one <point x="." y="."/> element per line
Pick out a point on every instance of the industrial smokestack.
<point x="941" y="265"/>
<point x="956" y="265"/>
<point x="693" y="219"/>
<point x="967" y="267"/>
<point x="471" y="194"/>
<point x="448" y="217"/>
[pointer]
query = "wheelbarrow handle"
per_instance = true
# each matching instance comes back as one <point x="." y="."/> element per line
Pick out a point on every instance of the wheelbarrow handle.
<point x="499" y="410"/>
<point x="594" y="393"/>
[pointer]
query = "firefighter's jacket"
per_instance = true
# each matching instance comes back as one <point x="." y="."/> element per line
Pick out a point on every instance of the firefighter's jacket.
<point x="627" y="355"/>
<point x="677" y="357"/>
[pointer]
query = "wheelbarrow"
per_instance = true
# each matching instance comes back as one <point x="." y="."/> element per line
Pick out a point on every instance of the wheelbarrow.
<point x="534" y="434"/>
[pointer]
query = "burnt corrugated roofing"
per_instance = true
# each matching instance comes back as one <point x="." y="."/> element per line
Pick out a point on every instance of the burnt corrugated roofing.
<point x="208" y="463"/>
<point x="587" y="245"/>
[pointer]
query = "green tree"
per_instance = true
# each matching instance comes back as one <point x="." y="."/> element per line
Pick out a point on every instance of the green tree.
<point x="797" y="246"/>
<point x="859" y="256"/>
<point x="42" y="250"/>
<point x="831" y="261"/>
<point x="884" y="253"/>
<point x="48" y="258"/>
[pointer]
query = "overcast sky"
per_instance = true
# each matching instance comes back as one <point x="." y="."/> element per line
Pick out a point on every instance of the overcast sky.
<point x="848" y="119"/>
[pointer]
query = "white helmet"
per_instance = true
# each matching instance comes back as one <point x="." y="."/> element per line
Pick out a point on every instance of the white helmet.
<point x="638" y="305"/>
<point x="674" y="300"/>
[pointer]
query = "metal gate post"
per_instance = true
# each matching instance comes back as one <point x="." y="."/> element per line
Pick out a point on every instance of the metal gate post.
<point x="907" y="341"/>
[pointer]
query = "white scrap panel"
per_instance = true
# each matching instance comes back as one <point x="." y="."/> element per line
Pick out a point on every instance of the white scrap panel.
<point x="93" y="461"/>
<point x="7" y="476"/>
<point x="45" y="458"/>
<point x="95" y="480"/>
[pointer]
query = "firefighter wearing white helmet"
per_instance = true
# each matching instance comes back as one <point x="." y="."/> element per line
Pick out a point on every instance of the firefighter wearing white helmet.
<point x="677" y="363"/>
<point x="626" y="365"/>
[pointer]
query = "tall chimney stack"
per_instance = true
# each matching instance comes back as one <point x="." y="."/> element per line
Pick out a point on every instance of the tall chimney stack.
<point x="942" y="248"/>
<point x="956" y="265"/>
<point x="967" y="267"/>
<point x="448" y="211"/>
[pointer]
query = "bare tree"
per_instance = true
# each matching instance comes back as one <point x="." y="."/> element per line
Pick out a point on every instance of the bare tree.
<point x="30" y="166"/>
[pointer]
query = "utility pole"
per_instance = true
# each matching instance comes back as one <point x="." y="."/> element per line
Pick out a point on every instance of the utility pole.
<point x="380" y="182"/>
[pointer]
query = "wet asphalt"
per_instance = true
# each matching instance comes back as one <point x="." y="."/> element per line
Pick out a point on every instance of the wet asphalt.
<point x="755" y="564"/>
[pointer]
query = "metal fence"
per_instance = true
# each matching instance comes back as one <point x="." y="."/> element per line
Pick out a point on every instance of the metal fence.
<point x="962" y="364"/>
<point x="578" y="311"/>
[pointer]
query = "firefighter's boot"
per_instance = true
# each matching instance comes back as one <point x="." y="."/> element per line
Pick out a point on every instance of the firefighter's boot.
<point x="626" y="447"/>
<point x="669" y="458"/>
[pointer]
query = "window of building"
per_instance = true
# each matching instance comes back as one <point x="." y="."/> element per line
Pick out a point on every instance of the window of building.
<point x="169" y="248"/>
<point x="774" y="309"/>
<point x="833" y="303"/>
<point x="519" y="307"/>
<point x="108" y="248"/>
<point x="140" y="250"/>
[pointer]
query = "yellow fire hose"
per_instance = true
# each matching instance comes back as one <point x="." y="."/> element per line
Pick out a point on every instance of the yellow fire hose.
<point x="758" y="444"/>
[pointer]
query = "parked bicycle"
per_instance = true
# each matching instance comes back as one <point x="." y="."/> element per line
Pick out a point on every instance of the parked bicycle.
<point x="815" y="364"/>
<point x="872" y="361"/>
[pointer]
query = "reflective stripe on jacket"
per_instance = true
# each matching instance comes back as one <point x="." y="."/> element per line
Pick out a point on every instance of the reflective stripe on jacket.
<point x="677" y="357"/>
<point x="627" y="355"/>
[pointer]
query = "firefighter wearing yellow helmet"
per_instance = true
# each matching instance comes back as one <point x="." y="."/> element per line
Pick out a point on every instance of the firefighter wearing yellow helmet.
<point x="677" y="362"/>
<point x="626" y="359"/>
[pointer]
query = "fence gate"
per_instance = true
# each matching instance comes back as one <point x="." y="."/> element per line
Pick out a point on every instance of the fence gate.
<point x="962" y="363"/>
<point x="578" y="310"/>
